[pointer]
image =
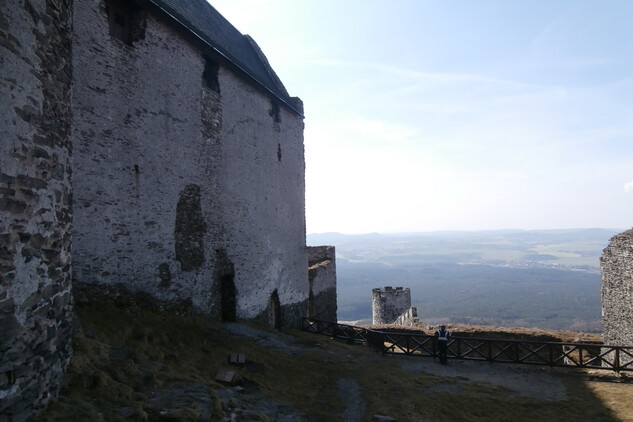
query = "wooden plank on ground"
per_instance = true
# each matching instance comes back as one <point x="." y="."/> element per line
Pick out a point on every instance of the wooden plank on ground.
<point x="225" y="376"/>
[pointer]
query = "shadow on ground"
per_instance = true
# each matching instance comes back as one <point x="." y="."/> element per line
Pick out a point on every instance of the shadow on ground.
<point x="133" y="363"/>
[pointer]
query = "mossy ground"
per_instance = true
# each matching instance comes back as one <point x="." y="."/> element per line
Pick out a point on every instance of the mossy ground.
<point x="123" y="350"/>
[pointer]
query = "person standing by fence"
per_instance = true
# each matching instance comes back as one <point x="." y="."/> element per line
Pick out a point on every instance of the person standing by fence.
<point x="442" y="343"/>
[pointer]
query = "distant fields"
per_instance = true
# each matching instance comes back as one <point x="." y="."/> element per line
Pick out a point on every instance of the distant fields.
<point x="536" y="279"/>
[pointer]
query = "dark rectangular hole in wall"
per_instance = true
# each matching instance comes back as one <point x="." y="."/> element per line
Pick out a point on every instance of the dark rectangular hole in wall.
<point x="7" y="378"/>
<point x="126" y="21"/>
<point x="274" y="112"/>
<point x="210" y="74"/>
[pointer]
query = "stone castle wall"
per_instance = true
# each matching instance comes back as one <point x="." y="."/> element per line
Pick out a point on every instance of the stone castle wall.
<point x="408" y="318"/>
<point x="36" y="320"/>
<point x="189" y="183"/>
<point x="322" y="277"/>
<point x="389" y="304"/>
<point x="617" y="290"/>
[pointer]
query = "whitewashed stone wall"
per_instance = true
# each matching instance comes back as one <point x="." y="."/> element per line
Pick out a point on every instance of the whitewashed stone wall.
<point x="179" y="187"/>
<point x="36" y="320"/>
<point x="617" y="290"/>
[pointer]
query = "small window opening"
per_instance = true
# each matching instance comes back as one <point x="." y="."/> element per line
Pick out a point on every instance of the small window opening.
<point x="274" y="112"/>
<point x="125" y="20"/>
<point x="279" y="152"/>
<point x="210" y="74"/>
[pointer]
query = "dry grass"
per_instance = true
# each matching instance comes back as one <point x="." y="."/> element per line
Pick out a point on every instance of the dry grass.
<point x="123" y="350"/>
<point x="500" y="332"/>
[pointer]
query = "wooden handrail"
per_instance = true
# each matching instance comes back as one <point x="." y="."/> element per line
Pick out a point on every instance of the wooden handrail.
<point x="531" y="352"/>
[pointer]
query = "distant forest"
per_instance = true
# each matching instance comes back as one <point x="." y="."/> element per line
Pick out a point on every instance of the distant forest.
<point x="537" y="279"/>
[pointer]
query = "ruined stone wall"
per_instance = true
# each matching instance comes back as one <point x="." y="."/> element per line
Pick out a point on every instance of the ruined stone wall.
<point x="36" y="321"/>
<point x="322" y="276"/>
<point x="389" y="304"/>
<point x="189" y="183"/>
<point x="617" y="290"/>
<point x="408" y="318"/>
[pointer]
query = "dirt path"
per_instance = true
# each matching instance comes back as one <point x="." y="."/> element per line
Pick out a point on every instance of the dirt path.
<point x="541" y="383"/>
<point x="536" y="382"/>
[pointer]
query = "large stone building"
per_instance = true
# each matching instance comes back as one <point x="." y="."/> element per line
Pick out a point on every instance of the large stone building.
<point x="187" y="159"/>
<point x="617" y="290"/>
<point x="167" y="152"/>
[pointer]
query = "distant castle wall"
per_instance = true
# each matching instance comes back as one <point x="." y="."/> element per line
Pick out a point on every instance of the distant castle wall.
<point x="322" y="276"/>
<point x="408" y="318"/>
<point x="389" y="304"/>
<point x="36" y="320"/>
<point x="617" y="290"/>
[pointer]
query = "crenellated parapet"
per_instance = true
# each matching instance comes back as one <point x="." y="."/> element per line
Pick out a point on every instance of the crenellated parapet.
<point x="389" y="303"/>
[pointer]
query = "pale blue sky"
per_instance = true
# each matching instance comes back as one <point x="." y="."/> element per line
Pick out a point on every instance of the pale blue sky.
<point x="456" y="115"/>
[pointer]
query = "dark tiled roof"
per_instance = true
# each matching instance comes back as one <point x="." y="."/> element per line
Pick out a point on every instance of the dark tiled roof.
<point x="210" y="26"/>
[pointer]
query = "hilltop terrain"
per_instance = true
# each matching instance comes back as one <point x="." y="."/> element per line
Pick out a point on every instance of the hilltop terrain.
<point x="134" y="363"/>
<point x="547" y="279"/>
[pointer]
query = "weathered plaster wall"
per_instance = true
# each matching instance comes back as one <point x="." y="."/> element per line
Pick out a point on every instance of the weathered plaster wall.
<point x="389" y="304"/>
<point x="322" y="276"/>
<point x="180" y="186"/>
<point x="263" y="208"/>
<point x="617" y="290"/>
<point x="36" y="319"/>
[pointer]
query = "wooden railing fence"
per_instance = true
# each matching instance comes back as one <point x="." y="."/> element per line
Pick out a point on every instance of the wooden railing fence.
<point x="562" y="354"/>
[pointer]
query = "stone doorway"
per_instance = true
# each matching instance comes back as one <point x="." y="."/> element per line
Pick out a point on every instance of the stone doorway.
<point x="228" y="301"/>
<point x="275" y="310"/>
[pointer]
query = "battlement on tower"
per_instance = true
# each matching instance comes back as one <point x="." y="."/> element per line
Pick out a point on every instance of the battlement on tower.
<point x="389" y="303"/>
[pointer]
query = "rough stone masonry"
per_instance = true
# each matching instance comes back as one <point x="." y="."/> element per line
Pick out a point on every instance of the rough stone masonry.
<point x="389" y="304"/>
<point x="36" y="320"/>
<point x="188" y="179"/>
<point x="617" y="290"/>
<point x="187" y="165"/>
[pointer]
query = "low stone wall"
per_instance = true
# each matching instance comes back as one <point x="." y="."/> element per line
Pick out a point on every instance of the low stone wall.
<point x="322" y="277"/>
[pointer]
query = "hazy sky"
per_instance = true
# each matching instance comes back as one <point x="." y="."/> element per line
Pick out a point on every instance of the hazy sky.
<point x="456" y="115"/>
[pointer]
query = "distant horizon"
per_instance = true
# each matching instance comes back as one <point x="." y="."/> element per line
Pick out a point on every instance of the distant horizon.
<point x="614" y="229"/>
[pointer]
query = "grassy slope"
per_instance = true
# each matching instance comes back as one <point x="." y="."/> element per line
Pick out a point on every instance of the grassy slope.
<point x="123" y="350"/>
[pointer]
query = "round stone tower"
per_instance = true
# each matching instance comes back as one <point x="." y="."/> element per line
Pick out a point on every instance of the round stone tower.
<point x="616" y="265"/>
<point x="389" y="304"/>
<point x="36" y="319"/>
